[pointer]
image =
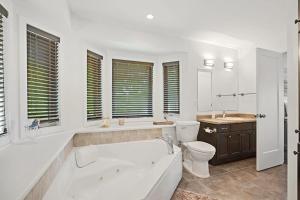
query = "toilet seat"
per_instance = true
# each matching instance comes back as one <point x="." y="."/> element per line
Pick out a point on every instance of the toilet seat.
<point x="202" y="147"/>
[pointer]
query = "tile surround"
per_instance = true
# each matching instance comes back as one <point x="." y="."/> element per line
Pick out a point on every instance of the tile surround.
<point x="83" y="139"/>
<point x="41" y="187"/>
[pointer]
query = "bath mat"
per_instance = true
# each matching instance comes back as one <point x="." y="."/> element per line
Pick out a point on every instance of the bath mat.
<point x="181" y="194"/>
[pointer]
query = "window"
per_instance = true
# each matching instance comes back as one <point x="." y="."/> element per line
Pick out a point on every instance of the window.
<point x="3" y="129"/>
<point x="42" y="77"/>
<point x="171" y="87"/>
<point x="131" y="89"/>
<point x="94" y="88"/>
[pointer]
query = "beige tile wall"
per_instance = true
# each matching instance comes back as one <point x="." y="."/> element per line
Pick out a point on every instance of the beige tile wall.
<point x="83" y="139"/>
<point x="39" y="190"/>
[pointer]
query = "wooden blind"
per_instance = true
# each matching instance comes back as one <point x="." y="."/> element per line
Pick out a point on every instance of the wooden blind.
<point x="171" y="87"/>
<point x="94" y="86"/>
<point x="131" y="89"/>
<point x="42" y="76"/>
<point x="3" y="129"/>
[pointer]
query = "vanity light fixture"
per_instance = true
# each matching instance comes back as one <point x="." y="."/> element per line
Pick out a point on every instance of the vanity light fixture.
<point x="228" y="66"/>
<point x="150" y="16"/>
<point x="209" y="63"/>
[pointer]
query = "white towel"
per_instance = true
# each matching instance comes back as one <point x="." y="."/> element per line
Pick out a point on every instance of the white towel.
<point x="86" y="155"/>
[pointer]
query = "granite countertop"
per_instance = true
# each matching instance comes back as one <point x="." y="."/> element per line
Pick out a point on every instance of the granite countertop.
<point x="231" y="118"/>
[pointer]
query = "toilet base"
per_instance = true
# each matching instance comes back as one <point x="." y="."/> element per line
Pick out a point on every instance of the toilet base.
<point x="199" y="169"/>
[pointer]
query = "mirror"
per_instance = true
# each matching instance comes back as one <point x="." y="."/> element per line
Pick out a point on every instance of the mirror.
<point x="204" y="91"/>
<point x="217" y="89"/>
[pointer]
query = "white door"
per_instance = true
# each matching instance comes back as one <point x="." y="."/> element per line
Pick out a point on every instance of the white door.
<point x="270" y="120"/>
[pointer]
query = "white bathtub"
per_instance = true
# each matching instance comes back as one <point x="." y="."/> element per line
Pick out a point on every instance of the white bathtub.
<point x="140" y="170"/>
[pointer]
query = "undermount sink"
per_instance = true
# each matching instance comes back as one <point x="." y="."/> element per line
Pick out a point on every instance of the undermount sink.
<point x="230" y="118"/>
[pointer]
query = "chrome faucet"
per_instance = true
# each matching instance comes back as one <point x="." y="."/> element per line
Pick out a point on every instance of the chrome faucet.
<point x="224" y="113"/>
<point x="169" y="142"/>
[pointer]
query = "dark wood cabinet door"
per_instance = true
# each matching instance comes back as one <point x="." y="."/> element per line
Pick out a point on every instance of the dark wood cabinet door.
<point x="245" y="142"/>
<point x="222" y="146"/>
<point x="253" y="142"/>
<point x="234" y="141"/>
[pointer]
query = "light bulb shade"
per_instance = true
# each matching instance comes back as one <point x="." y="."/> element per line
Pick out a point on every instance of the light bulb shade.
<point x="228" y="65"/>
<point x="209" y="63"/>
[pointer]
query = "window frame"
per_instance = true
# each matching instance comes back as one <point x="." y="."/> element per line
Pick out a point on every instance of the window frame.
<point x="101" y="85"/>
<point x="86" y="122"/>
<point x="41" y="34"/>
<point x="23" y="80"/>
<point x="179" y="85"/>
<point x="182" y="58"/>
<point x="133" y="118"/>
<point x="5" y="138"/>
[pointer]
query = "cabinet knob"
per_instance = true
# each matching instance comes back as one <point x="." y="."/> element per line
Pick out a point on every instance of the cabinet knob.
<point x="296" y="152"/>
<point x="229" y="136"/>
<point x="297" y="131"/>
<point x="297" y="21"/>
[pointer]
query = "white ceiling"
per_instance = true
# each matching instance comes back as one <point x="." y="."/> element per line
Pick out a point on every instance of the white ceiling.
<point x="223" y="22"/>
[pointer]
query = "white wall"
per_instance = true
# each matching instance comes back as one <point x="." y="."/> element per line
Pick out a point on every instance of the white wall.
<point x="11" y="75"/>
<point x="191" y="54"/>
<point x="293" y="104"/>
<point x="72" y="64"/>
<point x="41" y="15"/>
<point x="247" y="78"/>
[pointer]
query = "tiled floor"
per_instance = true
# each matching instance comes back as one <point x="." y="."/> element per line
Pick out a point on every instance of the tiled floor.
<point x="239" y="181"/>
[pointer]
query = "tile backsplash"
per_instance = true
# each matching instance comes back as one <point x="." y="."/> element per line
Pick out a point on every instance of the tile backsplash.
<point x="83" y="139"/>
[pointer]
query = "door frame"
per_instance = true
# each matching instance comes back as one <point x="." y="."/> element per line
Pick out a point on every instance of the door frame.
<point x="280" y="106"/>
<point x="293" y="96"/>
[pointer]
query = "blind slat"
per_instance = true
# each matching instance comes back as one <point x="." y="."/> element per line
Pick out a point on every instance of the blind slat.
<point x="94" y="86"/>
<point x="132" y="89"/>
<point x="42" y="76"/>
<point x="3" y="128"/>
<point x="171" y="87"/>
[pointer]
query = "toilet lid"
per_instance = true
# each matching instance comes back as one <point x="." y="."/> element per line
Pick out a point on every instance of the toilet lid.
<point x="201" y="146"/>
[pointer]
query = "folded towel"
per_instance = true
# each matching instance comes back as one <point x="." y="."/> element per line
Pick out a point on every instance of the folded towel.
<point x="85" y="155"/>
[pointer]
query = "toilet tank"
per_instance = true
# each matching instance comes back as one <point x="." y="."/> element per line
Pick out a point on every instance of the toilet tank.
<point x="187" y="131"/>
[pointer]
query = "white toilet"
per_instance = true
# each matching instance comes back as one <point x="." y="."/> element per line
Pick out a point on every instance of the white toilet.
<point x="196" y="154"/>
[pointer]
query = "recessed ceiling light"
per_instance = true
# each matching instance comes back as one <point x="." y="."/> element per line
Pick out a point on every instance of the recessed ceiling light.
<point x="150" y="16"/>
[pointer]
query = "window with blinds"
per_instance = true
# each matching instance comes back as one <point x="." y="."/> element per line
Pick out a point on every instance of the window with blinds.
<point x="131" y="89"/>
<point x="171" y="87"/>
<point x="42" y="77"/>
<point x="94" y="86"/>
<point x="3" y="15"/>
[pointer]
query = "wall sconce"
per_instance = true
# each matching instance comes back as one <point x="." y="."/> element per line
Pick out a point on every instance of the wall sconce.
<point x="209" y="63"/>
<point x="228" y="66"/>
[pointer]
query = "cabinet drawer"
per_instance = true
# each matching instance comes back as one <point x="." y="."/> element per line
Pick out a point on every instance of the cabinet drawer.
<point x="241" y="126"/>
<point x="224" y="128"/>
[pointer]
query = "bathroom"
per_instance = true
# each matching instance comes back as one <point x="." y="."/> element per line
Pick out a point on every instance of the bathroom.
<point x="146" y="100"/>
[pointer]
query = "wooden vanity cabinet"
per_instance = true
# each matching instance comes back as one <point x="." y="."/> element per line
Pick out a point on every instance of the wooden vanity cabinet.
<point x="233" y="141"/>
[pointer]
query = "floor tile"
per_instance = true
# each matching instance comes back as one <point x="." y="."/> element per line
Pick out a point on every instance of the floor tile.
<point x="239" y="180"/>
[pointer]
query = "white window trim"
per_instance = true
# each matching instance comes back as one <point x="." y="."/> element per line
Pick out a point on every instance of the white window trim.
<point x="114" y="55"/>
<point x="89" y="123"/>
<point x="6" y="139"/>
<point x="23" y="80"/>
<point x="182" y="58"/>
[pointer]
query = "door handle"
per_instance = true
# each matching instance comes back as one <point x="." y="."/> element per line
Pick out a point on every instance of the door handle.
<point x="260" y="116"/>
<point x="297" y="152"/>
<point x="297" y="131"/>
<point x="297" y="21"/>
